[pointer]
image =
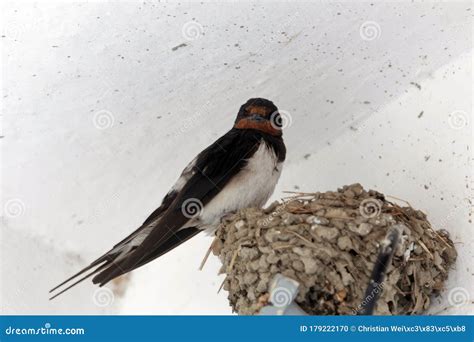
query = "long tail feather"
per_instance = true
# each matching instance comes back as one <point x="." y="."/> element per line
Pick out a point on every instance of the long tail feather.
<point x="95" y="263"/>
<point x="172" y="242"/>
<point x="109" y="265"/>
<point x="100" y="268"/>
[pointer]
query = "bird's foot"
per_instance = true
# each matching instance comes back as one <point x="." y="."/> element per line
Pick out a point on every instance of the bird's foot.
<point x="228" y="217"/>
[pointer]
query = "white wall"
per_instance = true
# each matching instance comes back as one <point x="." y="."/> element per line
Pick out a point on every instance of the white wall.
<point x="101" y="112"/>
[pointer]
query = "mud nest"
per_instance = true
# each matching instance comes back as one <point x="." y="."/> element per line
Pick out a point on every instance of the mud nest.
<point x="328" y="242"/>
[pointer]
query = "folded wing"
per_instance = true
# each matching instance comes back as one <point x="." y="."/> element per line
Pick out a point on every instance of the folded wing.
<point x="168" y="227"/>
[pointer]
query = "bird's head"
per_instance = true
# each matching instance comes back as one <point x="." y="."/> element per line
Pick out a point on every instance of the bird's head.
<point x="259" y="114"/>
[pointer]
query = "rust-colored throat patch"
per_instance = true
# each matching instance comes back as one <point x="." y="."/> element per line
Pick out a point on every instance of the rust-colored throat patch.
<point x="264" y="126"/>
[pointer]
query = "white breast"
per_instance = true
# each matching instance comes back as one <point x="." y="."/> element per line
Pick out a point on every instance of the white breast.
<point x="251" y="187"/>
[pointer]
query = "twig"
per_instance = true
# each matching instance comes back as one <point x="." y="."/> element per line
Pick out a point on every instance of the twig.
<point x="303" y="238"/>
<point x="426" y="249"/>
<point x="234" y="257"/>
<point x="399" y="290"/>
<point x="283" y="247"/>
<point x="203" y="262"/>
<point x="399" y="199"/>
<point x="222" y="285"/>
<point x="441" y="238"/>
<point x="300" y="193"/>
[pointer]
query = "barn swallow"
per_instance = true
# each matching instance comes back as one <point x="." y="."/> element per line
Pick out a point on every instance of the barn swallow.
<point x="239" y="170"/>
